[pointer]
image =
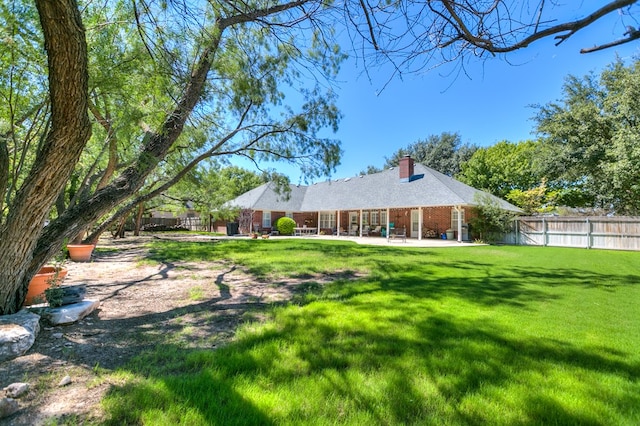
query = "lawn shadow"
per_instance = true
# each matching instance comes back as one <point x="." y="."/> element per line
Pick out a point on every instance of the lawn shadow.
<point x="457" y="358"/>
<point x="200" y="398"/>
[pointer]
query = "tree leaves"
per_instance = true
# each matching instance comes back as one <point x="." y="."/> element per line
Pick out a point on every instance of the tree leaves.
<point x="594" y="132"/>
<point x="444" y="153"/>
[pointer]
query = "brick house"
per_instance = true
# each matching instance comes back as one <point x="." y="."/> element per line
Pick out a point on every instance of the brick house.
<point x="414" y="198"/>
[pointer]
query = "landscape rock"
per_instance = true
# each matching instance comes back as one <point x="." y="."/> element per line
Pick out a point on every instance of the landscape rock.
<point x="17" y="333"/>
<point x="68" y="314"/>
<point x="16" y="390"/>
<point x="8" y="406"/>
<point x="65" y="381"/>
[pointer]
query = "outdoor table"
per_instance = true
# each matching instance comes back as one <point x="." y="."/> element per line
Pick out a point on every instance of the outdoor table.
<point x="305" y="231"/>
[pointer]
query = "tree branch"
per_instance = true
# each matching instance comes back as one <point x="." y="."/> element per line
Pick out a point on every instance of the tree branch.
<point x="569" y="27"/>
<point x="633" y="35"/>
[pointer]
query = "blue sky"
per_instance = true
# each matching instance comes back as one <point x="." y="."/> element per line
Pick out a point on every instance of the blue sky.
<point x="494" y="105"/>
<point x="491" y="104"/>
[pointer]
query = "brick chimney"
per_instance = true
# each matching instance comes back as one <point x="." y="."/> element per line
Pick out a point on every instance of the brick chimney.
<point x="406" y="168"/>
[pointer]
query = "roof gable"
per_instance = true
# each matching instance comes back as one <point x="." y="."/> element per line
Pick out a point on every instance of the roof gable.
<point x="265" y="197"/>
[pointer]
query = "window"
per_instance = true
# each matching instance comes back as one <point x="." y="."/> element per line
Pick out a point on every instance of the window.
<point x="365" y="218"/>
<point x="289" y="215"/>
<point x="327" y="220"/>
<point x="383" y="217"/>
<point x="353" y="218"/>
<point x="266" y="219"/>
<point x="454" y="218"/>
<point x="375" y="217"/>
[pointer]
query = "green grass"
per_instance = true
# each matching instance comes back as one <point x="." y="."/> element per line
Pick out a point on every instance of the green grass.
<point x="468" y="335"/>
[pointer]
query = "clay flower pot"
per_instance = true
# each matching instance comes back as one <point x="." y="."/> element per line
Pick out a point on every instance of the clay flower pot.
<point x="46" y="276"/>
<point x="80" y="252"/>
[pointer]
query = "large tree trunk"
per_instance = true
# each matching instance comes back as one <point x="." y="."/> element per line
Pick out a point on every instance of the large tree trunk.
<point x="70" y="130"/>
<point x="136" y="230"/>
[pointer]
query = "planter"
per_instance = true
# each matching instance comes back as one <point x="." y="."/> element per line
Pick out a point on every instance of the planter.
<point x="42" y="281"/>
<point x="80" y="252"/>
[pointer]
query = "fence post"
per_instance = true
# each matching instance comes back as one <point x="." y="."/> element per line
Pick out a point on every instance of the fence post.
<point x="544" y="232"/>
<point x="588" y="233"/>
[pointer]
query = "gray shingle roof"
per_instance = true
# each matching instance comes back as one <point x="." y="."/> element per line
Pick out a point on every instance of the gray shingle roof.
<point x="265" y="197"/>
<point x="427" y="188"/>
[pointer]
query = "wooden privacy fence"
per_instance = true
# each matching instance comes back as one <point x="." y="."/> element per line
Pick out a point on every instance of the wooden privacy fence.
<point x="193" y="223"/>
<point x="161" y="221"/>
<point x="615" y="233"/>
<point x="190" y="223"/>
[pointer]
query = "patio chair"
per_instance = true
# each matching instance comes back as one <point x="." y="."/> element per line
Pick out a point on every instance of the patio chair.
<point x="353" y="230"/>
<point x="397" y="234"/>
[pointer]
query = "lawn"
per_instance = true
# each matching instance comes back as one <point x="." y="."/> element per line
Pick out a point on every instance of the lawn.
<point x="465" y="335"/>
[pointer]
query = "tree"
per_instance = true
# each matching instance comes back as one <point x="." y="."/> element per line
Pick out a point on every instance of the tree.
<point x="370" y="170"/>
<point x="208" y="188"/>
<point x="592" y="134"/>
<point x="535" y="200"/>
<point x="444" y="153"/>
<point x="206" y="50"/>
<point x="504" y="167"/>
<point x="253" y="80"/>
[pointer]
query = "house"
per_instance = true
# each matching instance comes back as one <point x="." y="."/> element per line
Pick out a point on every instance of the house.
<point x="413" y="198"/>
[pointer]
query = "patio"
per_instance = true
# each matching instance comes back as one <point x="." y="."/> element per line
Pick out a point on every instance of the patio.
<point x="381" y="241"/>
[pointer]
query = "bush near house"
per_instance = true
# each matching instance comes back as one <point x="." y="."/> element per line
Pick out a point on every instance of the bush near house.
<point x="285" y="226"/>
<point x="491" y="221"/>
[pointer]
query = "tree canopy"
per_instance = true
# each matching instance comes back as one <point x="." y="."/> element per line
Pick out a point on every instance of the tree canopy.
<point x="504" y="167"/>
<point x="209" y="187"/>
<point x="592" y="134"/>
<point x="587" y="155"/>
<point x="444" y="153"/>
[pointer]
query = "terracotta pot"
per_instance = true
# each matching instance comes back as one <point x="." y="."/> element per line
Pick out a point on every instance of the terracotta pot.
<point x="80" y="252"/>
<point x="42" y="281"/>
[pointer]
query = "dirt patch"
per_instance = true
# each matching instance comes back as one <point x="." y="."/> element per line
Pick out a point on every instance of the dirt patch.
<point x="200" y="304"/>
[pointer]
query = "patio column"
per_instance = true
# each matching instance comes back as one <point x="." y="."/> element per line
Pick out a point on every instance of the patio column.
<point x="420" y="224"/>
<point x="318" y="230"/>
<point x="459" y="210"/>
<point x="388" y="222"/>
<point x="360" y="223"/>
<point x="338" y="223"/>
